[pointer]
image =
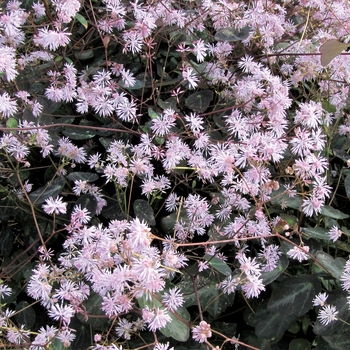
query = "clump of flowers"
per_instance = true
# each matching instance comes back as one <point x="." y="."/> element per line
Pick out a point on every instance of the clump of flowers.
<point x="166" y="162"/>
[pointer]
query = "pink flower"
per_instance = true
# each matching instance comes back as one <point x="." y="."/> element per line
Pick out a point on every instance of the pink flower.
<point x="8" y="107"/>
<point x="320" y="299"/>
<point x="54" y="206"/>
<point x="173" y="299"/>
<point x="201" y="332"/>
<point x="51" y="39"/>
<point x="62" y="313"/>
<point x="298" y="253"/>
<point x="8" y="62"/>
<point x="335" y="233"/>
<point x="160" y="319"/>
<point x="327" y="314"/>
<point x="253" y="286"/>
<point x="190" y="76"/>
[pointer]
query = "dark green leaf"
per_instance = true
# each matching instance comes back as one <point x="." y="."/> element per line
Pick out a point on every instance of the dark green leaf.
<point x="13" y="265"/>
<point x="232" y="34"/>
<point x="105" y="141"/>
<point x="84" y="55"/>
<point x="97" y="318"/>
<point x="11" y="123"/>
<point x="199" y="101"/>
<point x="139" y="84"/>
<point x="56" y="344"/>
<point x="211" y="298"/>
<point x="281" y="198"/>
<point x="299" y="344"/>
<point x="343" y="341"/>
<point x="78" y="133"/>
<point x="218" y="264"/>
<point x="271" y="276"/>
<point x="152" y="113"/>
<point x="7" y="239"/>
<point x="113" y="209"/>
<point x="294" y="295"/>
<point x="83" y="176"/>
<point x="89" y="202"/>
<point x="168" y="222"/>
<point x="177" y="328"/>
<point x="52" y="189"/>
<point x="26" y="315"/>
<point x="144" y="211"/>
<point x="328" y="107"/>
<point x="337" y="298"/>
<point x="272" y="324"/>
<point x="82" y="20"/>
<point x="333" y="213"/>
<point x="317" y="232"/>
<point x="334" y="266"/>
<point x="347" y="186"/>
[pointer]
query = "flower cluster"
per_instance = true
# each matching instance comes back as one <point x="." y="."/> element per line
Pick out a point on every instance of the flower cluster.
<point x="167" y="154"/>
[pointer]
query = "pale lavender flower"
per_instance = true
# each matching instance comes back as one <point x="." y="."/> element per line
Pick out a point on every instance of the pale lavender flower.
<point x="8" y="62"/>
<point x="128" y="78"/>
<point x="249" y="266"/>
<point x="309" y="114"/>
<point x="5" y="290"/>
<point x="61" y="312"/>
<point x="44" y="337"/>
<point x="190" y="76"/>
<point x="55" y="206"/>
<point x="8" y="106"/>
<point x="39" y="9"/>
<point x="195" y="123"/>
<point x="66" y="336"/>
<point x="17" y="335"/>
<point x="312" y="206"/>
<point x="103" y="106"/>
<point x="51" y="39"/>
<point x="199" y="49"/>
<point x="253" y="286"/>
<point x="203" y="265"/>
<point x="229" y="284"/>
<point x="126" y="110"/>
<point x="66" y="9"/>
<point x="160" y="319"/>
<point x="345" y="278"/>
<point x="164" y="122"/>
<point x="335" y="233"/>
<point x="201" y="332"/>
<point x="298" y="253"/>
<point x="173" y="299"/>
<point x="320" y="299"/>
<point x="270" y="256"/>
<point x="327" y="314"/>
<point x="133" y="41"/>
<point x="160" y="346"/>
<point x="140" y="235"/>
<point x="124" y="329"/>
<point x="80" y="215"/>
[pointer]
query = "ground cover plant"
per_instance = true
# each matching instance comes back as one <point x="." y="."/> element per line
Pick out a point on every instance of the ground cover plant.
<point x="174" y="174"/>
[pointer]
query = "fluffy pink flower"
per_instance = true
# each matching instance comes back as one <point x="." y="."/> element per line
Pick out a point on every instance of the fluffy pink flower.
<point x="51" y="39"/>
<point x="54" y="206"/>
<point x="201" y="332"/>
<point x="8" y="107"/>
<point x="160" y="319"/>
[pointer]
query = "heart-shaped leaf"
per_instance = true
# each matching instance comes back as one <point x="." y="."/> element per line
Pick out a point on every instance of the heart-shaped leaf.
<point x="331" y="49"/>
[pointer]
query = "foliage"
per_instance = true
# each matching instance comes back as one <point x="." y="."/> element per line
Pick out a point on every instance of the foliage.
<point x="174" y="174"/>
